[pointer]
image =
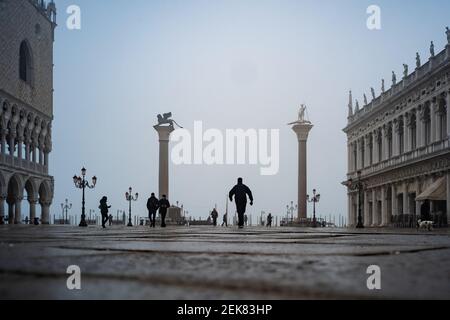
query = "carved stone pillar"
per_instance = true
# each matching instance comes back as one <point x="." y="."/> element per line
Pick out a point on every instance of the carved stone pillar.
<point x="394" y="200"/>
<point x="433" y="117"/>
<point x="407" y="133"/>
<point x="18" y="211"/>
<point x="405" y="198"/>
<point x="384" y="211"/>
<point x="447" y="102"/>
<point x="367" y="221"/>
<point x="33" y="204"/>
<point x="349" y="158"/>
<point x="3" y="143"/>
<point x="385" y="142"/>
<point x="375" y="147"/>
<point x="439" y="113"/>
<point x="2" y="209"/>
<point x="374" y="208"/>
<point x="45" y="208"/>
<point x="396" y="138"/>
<point x="10" y="211"/>
<point x="421" y="127"/>
<point x="358" y="155"/>
<point x="12" y="145"/>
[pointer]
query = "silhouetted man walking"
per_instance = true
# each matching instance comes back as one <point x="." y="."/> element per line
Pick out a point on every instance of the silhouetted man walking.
<point x="163" y="205"/>
<point x="240" y="193"/>
<point x="152" y="206"/>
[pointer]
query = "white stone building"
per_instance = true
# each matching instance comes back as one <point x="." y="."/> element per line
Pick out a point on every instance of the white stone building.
<point x="399" y="148"/>
<point x="26" y="107"/>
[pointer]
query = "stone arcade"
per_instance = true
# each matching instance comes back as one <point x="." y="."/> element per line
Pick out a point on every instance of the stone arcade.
<point x="399" y="149"/>
<point x="26" y="107"/>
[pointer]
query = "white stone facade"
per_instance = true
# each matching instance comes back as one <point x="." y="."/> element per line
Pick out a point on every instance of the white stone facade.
<point x="399" y="145"/>
<point x="26" y="107"/>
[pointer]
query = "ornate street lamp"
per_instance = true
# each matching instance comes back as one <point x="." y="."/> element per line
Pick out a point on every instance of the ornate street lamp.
<point x="130" y="198"/>
<point x="315" y="199"/>
<point x="82" y="183"/>
<point x="358" y="186"/>
<point x="65" y="208"/>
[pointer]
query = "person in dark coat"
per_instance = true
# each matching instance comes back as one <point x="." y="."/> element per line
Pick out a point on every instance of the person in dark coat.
<point x="225" y="220"/>
<point x="104" y="210"/>
<point x="163" y="205"/>
<point x="214" y="216"/>
<point x="152" y="206"/>
<point x="240" y="193"/>
<point x="269" y="220"/>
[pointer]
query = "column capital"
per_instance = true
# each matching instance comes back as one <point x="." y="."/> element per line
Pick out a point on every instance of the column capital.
<point x="302" y="130"/>
<point x="164" y="132"/>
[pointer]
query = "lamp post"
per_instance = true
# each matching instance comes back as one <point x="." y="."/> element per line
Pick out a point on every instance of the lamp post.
<point x="81" y="183"/>
<point x="315" y="199"/>
<point x="65" y="208"/>
<point x="130" y="198"/>
<point x="358" y="186"/>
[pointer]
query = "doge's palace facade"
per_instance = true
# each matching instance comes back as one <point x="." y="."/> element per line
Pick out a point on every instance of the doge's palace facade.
<point x="26" y="108"/>
<point x="399" y="148"/>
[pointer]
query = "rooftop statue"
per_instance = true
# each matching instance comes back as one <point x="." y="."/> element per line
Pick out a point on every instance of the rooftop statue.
<point x="405" y="70"/>
<point x="382" y="86"/>
<point x="372" y="90"/>
<point x="418" y="64"/>
<point x="365" y="100"/>
<point x="394" y="78"/>
<point x="166" y="119"/>
<point x="447" y="32"/>
<point x="432" y="49"/>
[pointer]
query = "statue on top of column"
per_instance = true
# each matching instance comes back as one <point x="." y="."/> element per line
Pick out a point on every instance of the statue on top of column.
<point x="365" y="100"/>
<point x="301" y="116"/>
<point x="394" y="78"/>
<point x="166" y="119"/>
<point x="418" y="63"/>
<point x="432" y="49"/>
<point x="382" y="86"/>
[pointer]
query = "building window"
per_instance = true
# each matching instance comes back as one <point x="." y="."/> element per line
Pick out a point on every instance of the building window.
<point x="25" y="63"/>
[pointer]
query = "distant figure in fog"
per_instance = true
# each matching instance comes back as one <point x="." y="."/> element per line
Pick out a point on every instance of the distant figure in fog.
<point x="163" y="205"/>
<point x="269" y="220"/>
<point x="214" y="216"/>
<point x="152" y="206"/>
<point x="246" y="220"/>
<point x="104" y="210"/>
<point x="110" y="220"/>
<point x="225" y="220"/>
<point x="240" y="193"/>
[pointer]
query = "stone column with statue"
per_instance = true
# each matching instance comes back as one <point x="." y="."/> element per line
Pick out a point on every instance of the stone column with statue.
<point x="302" y="127"/>
<point x="165" y="127"/>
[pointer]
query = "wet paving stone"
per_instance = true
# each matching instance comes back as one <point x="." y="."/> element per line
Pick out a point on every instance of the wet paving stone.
<point x="222" y="263"/>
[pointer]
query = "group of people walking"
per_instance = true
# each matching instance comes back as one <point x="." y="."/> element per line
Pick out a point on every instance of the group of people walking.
<point x="153" y="205"/>
<point x="240" y="192"/>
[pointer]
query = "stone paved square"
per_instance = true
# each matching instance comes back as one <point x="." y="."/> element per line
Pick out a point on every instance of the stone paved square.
<point x="222" y="263"/>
